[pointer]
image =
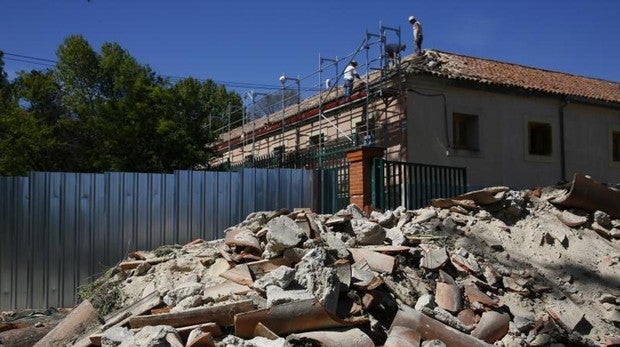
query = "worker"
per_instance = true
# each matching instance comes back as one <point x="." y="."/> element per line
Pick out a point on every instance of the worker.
<point x="391" y="52"/>
<point x="350" y="74"/>
<point x="417" y="34"/>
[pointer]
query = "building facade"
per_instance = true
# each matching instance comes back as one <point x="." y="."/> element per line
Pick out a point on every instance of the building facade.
<point x="507" y="124"/>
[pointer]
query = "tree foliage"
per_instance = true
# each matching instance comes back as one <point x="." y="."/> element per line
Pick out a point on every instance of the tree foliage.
<point x="105" y="111"/>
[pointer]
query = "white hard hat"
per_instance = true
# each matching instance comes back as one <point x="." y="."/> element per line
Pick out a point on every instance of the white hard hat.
<point x="411" y="19"/>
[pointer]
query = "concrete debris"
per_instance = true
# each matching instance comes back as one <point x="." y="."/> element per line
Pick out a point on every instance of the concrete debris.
<point x="159" y="335"/>
<point x="469" y="270"/>
<point x="352" y="210"/>
<point x="282" y="233"/>
<point x="434" y="259"/>
<point x="316" y="273"/>
<point x="367" y="232"/>
<point x="174" y="296"/>
<point x="426" y="300"/>
<point x="281" y="277"/>
<point x="115" y="336"/>
<point x="277" y="295"/>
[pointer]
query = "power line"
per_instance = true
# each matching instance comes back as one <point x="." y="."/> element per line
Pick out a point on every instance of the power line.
<point x="176" y="78"/>
<point x="29" y="62"/>
<point x="29" y="57"/>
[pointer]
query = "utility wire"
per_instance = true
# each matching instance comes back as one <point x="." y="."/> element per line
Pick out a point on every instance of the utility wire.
<point x="225" y="83"/>
<point x="29" y="57"/>
<point x="27" y="61"/>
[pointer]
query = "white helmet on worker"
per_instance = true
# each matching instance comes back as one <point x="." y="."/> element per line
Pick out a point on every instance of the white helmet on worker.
<point x="411" y="19"/>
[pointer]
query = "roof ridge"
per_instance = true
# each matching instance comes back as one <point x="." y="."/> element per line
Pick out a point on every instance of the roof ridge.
<point x="525" y="66"/>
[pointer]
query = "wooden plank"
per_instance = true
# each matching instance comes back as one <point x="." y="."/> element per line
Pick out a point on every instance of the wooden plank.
<point x="153" y="299"/>
<point x="132" y="264"/>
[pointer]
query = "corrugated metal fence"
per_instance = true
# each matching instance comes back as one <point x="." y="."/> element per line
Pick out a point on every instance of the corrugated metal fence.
<point x="58" y="230"/>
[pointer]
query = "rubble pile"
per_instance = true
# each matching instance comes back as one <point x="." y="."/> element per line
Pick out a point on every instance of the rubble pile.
<point x="491" y="267"/>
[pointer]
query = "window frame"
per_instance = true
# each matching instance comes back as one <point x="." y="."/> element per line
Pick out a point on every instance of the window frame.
<point x="527" y="145"/>
<point x="314" y="140"/>
<point x="472" y="138"/>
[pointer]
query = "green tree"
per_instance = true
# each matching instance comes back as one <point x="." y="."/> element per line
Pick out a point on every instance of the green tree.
<point x="5" y="93"/>
<point x="25" y="138"/>
<point x="3" y="75"/>
<point x="78" y="75"/>
<point x="125" y="120"/>
<point x="23" y="142"/>
<point x="105" y="111"/>
<point x="41" y="99"/>
<point x="184" y="132"/>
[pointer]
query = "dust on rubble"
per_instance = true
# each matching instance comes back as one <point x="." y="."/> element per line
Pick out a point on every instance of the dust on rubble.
<point x="494" y="266"/>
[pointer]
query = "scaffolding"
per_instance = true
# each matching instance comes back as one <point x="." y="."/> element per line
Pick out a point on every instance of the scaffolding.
<point x="324" y="102"/>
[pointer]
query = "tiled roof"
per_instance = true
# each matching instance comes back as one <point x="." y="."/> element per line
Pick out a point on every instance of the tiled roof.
<point x="455" y="66"/>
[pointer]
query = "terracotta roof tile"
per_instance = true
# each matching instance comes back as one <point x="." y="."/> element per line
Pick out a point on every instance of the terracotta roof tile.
<point x="455" y="66"/>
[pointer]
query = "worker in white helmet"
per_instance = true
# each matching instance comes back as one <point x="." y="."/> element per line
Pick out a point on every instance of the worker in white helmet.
<point x="417" y="34"/>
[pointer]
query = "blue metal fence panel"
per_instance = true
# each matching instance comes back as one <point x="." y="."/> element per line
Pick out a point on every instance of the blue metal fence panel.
<point x="59" y="230"/>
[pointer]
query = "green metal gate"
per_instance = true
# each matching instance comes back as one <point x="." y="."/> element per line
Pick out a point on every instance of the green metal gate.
<point x="413" y="185"/>
<point x="334" y="188"/>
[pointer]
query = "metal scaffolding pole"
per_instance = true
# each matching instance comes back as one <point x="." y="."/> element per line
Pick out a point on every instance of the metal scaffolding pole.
<point x="327" y="87"/>
<point x="229" y="144"/>
<point x="252" y="95"/>
<point x="367" y="138"/>
<point x="283" y="80"/>
<point x="366" y="44"/>
<point x="384" y="29"/>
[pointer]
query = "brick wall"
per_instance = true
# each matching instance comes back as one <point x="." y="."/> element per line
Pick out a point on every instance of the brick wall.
<point x="360" y="165"/>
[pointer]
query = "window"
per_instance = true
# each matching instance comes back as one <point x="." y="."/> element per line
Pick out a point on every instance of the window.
<point x="465" y="131"/>
<point x="539" y="138"/>
<point x="316" y="139"/>
<point x="278" y="155"/>
<point x="278" y="151"/>
<point x="615" y="143"/>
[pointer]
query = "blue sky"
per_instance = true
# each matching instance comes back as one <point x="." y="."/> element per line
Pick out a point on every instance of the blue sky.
<point x="254" y="42"/>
